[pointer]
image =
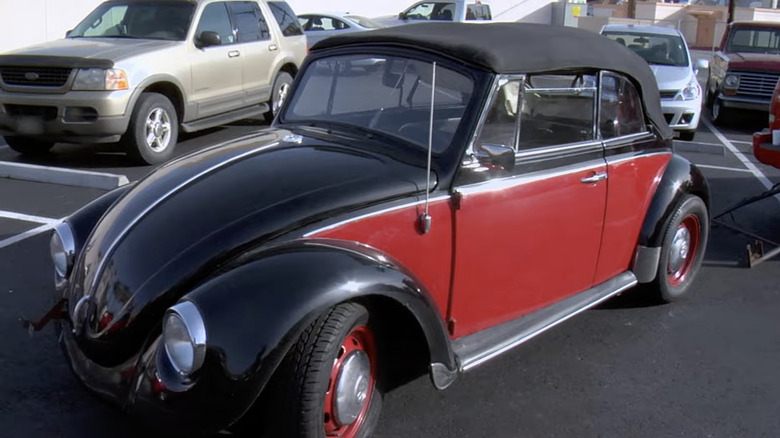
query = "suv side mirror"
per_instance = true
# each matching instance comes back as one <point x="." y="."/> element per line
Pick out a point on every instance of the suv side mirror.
<point x="496" y="155"/>
<point x="208" y="38"/>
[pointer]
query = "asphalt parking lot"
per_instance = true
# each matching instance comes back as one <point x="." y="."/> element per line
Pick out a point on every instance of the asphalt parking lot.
<point x="704" y="367"/>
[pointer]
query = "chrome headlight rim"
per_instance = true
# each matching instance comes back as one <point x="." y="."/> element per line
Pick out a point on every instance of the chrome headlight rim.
<point x="187" y="314"/>
<point x="62" y="249"/>
<point x="692" y="91"/>
<point x="731" y="82"/>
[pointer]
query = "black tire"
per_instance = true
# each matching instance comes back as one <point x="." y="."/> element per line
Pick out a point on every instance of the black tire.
<point x="687" y="135"/>
<point x="153" y="131"/>
<point x="682" y="251"/>
<point x="29" y="146"/>
<point x="719" y="113"/>
<point x="302" y="399"/>
<point x="279" y="93"/>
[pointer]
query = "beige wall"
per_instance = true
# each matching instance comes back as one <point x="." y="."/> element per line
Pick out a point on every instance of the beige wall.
<point x="26" y="22"/>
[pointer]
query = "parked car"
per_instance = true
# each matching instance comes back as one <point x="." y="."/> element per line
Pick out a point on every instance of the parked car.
<point x="474" y="11"/>
<point x="744" y="70"/>
<point x="667" y="53"/>
<point x="765" y="147"/>
<point x="424" y="217"/>
<point x="318" y="26"/>
<point x="138" y="72"/>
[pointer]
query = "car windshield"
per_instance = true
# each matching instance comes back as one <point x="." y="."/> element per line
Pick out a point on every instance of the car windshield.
<point x="159" y="20"/>
<point x="655" y="49"/>
<point x="384" y="94"/>
<point x="756" y="40"/>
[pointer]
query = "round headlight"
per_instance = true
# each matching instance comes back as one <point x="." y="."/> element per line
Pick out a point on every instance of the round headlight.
<point x="184" y="337"/>
<point x="62" y="249"/>
<point x="731" y="81"/>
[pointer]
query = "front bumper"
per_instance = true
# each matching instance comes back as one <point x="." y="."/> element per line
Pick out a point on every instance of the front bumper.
<point x="682" y="115"/>
<point x="76" y="116"/>
<point x="747" y="103"/>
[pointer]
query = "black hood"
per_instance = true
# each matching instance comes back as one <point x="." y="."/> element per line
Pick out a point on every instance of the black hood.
<point x="179" y="224"/>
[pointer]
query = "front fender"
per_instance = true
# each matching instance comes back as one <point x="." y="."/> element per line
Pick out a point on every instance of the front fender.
<point x="83" y="221"/>
<point x="257" y="307"/>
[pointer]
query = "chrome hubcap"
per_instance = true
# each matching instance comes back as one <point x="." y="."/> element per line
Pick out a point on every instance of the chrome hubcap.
<point x="158" y="130"/>
<point x="352" y="387"/>
<point x="681" y="245"/>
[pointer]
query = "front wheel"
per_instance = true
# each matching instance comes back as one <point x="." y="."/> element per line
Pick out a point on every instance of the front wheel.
<point x="328" y="383"/>
<point x="28" y="146"/>
<point x="153" y="130"/>
<point x="682" y="251"/>
<point x="279" y="93"/>
<point x="719" y="112"/>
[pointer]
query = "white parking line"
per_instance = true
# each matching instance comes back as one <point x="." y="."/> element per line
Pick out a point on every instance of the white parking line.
<point x="742" y="142"/>
<point x="25" y="235"/>
<point x="732" y="169"/>
<point x="741" y="157"/>
<point x="28" y="218"/>
<point x="681" y="142"/>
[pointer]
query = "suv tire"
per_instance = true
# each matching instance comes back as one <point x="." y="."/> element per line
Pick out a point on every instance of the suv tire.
<point x="28" y="146"/>
<point x="279" y="93"/>
<point x="153" y="130"/>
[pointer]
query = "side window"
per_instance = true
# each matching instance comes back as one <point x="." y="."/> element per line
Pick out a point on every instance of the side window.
<point x="500" y="127"/>
<point x="250" y="24"/>
<point x="557" y="109"/>
<point x="215" y="19"/>
<point x="621" y="107"/>
<point x="478" y="12"/>
<point x="286" y="18"/>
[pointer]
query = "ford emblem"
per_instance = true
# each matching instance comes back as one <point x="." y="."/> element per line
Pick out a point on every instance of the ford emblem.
<point x="31" y="76"/>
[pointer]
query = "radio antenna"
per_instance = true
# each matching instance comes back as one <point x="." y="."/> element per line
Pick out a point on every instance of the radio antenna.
<point x="425" y="218"/>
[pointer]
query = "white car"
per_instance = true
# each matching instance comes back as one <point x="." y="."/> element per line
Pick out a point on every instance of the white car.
<point x="321" y="25"/>
<point x="667" y="53"/>
<point x="469" y="11"/>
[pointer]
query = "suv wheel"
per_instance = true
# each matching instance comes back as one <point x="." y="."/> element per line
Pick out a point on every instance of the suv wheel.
<point x="718" y="112"/>
<point x="281" y="90"/>
<point x="153" y="130"/>
<point x="28" y="146"/>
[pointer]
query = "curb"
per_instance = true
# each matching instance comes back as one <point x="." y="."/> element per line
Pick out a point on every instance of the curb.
<point x="56" y="175"/>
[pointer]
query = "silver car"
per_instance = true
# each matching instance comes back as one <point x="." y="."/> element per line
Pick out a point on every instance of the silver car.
<point x="318" y="26"/>
<point x="667" y="53"/>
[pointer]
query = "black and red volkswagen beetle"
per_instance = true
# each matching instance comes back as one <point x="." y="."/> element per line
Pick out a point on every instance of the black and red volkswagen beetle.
<point x="429" y="197"/>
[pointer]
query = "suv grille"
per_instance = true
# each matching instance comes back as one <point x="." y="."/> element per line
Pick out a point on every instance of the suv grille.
<point x="35" y="76"/>
<point x="757" y="84"/>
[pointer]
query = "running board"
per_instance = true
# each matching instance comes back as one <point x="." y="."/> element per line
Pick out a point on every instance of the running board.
<point x="476" y="349"/>
<point x="225" y="118"/>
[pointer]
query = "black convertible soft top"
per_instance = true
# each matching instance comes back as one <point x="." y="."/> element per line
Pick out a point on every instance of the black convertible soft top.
<point x="518" y="48"/>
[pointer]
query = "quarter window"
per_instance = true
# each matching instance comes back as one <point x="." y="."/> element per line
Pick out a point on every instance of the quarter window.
<point x="286" y="18"/>
<point x="621" y="108"/>
<point x="215" y="19"/>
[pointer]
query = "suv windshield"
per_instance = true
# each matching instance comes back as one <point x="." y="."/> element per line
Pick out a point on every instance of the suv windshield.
<point x="655" y="49"/>
<point x="160" y="20"/>
<point x="756" y="40"/>
<point x="386" y="94"/>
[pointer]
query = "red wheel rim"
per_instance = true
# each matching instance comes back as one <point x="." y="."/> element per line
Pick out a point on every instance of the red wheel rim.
<point x="683" y="251"/>
<point x="360" y="339"/>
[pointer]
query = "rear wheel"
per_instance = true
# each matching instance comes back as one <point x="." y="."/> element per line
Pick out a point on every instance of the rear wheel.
<point x="28" y="146"/>
<point x="682" y="251"/>
<point x="328" y="384"/>
<point x="279" y="93"/>
<point x="153" y="130"/>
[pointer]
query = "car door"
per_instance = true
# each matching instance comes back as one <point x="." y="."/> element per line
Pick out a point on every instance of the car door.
<point x="259" y="50"/>
<point x="635" y="165"/>
<point x="217" y="73"/>
<point x="529" y="235"/>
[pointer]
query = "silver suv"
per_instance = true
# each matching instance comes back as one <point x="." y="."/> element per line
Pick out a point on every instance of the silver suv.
<point x="138" y="71"/>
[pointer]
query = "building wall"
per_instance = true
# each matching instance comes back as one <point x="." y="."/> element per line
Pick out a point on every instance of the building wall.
<point x="27" y="22"/>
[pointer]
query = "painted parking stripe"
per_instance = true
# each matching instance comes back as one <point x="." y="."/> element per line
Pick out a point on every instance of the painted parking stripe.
<point x="732" y="169"/>
<point x="741" y="157"/>
<point x="28" y="218"/>
<point x="742" y="142"/>
<point x="25" y="235"/>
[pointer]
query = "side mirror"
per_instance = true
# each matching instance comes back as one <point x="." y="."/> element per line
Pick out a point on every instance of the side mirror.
<point x="496" y="155"/>
<point x="67" y="34"/>
<point x="701" y="64"/>
<point x="208" y="38"/>
<point x="402" y="15"/>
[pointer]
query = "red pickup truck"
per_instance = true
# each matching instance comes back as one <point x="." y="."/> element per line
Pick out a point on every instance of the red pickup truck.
<point x="744" y="71"/>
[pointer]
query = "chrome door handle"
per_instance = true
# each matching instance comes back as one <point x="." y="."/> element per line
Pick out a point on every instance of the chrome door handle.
<point x="596" y="177"/>
<point x="234" y="53"/>
<point x="272" y="47"/>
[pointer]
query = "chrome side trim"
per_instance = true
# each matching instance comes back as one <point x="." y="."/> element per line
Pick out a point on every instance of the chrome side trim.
<point x="619" y="142"/>
<point x="580" y="147"/>
<point x="645" y="265"/>
<point x="102" y="266"/>
<point x="441" y="376"/>
<point x="506" y="183"/>
<point x="374" y="213"/>
<point x="474" y="350"/>
<point x="629" y="156"/>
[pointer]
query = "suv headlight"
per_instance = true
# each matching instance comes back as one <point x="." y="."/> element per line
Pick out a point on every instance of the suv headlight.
<point x="62" y="248"/>
<point x="690" y="92"/>
<point x="731" y="82"/>
<point x="98" y="79"/>
<point x="184" y="337"/>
